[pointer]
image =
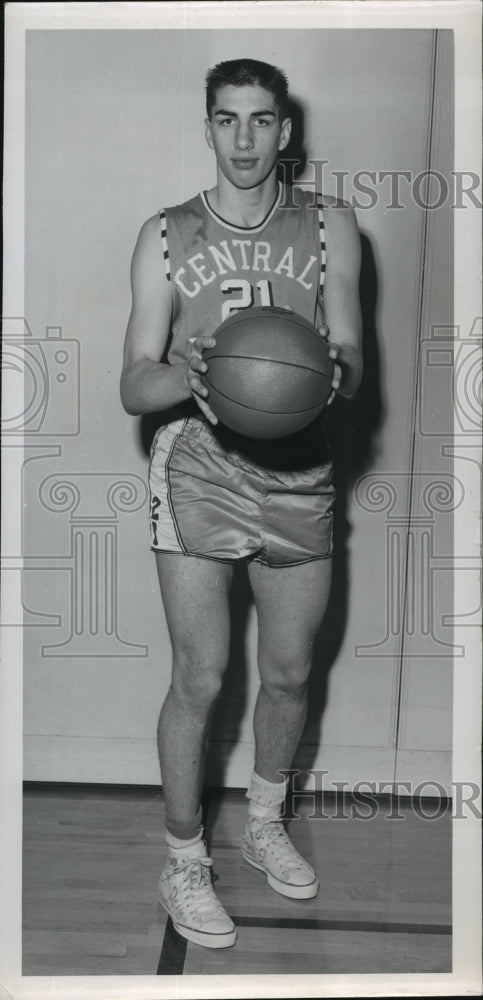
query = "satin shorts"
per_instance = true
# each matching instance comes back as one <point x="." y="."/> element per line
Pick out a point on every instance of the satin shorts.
<point x="219" y="496"/>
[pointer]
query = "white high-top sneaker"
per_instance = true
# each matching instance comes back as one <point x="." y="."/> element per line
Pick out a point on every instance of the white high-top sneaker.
<point x="267" y="846"/>
<point x="186" y="892"/>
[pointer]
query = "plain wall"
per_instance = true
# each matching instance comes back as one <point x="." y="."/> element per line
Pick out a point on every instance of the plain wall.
<point x="114" y="131"/>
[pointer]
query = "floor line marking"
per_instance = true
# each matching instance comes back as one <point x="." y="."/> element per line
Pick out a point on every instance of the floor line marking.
<point x="173" y="952"/>
<point x="312" y="923"/>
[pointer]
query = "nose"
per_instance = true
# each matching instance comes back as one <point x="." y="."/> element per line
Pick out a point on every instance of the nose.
<point x="244" y="137"/>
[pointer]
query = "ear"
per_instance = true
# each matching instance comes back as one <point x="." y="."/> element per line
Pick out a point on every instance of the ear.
<point x="285" y="133"/>
<point x="208" y="135"/>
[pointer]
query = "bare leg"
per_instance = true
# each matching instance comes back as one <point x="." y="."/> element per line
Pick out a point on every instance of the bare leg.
<point x="195" y="596"/>
<point x="290" y="604"/>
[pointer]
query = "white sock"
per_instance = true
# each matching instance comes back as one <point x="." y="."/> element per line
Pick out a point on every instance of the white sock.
<point x="265" y="797"/>
<point x="193" y="848"/>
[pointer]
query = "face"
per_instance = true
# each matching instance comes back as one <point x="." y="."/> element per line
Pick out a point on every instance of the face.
<point x="246" y="134"/>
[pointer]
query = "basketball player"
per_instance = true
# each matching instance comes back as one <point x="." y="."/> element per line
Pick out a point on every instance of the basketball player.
<point x="217" y="497"/>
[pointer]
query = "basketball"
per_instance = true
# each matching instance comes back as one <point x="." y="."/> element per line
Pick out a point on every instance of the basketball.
<point x="269" y="374"/>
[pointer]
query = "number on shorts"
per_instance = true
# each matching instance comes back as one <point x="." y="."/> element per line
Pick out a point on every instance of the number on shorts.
<point x="155" y="502"/>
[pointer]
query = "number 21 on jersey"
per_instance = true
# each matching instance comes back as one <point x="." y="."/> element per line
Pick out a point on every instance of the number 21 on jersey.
<point x="241" y="295"/>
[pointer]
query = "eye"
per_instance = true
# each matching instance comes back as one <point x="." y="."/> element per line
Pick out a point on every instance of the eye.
<point x="262" y="122"/>
<point x="225" y="121"/>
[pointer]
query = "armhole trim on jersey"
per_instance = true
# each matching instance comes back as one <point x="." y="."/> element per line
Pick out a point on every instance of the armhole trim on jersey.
<point x="164" y="243"/>
<point x="323" y="248"/>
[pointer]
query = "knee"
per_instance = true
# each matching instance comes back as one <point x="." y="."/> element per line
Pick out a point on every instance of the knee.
<point x="286" y="676"/>
<point x="197" y="679"/>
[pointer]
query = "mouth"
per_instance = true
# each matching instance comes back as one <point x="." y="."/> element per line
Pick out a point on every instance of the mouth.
<point x="244" y="163"/>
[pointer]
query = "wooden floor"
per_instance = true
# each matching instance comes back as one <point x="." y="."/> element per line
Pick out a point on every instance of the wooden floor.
<point x="92" y="858"/>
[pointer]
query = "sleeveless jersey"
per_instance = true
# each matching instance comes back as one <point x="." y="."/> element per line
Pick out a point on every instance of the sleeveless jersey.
<point x="216" y="268"/>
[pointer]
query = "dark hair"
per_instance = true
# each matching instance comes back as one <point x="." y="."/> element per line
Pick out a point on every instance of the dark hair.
<point x="239" y="73"/>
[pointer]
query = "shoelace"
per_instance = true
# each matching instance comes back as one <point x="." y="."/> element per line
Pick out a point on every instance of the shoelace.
<point x="196" y="877"/>
<point x="276" y="835"/>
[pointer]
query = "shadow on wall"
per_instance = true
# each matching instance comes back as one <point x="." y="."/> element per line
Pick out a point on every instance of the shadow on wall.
<point x="295" y="152"/>
<point x="351" y="429"/>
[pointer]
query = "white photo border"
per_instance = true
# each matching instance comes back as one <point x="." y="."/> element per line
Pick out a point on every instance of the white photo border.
<point x="463" y="17"/>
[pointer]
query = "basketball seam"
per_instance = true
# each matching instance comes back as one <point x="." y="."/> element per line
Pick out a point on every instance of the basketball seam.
<point x="272" y="413"/>
<point x="241" y="317"/>
<point x="272" y="361"/>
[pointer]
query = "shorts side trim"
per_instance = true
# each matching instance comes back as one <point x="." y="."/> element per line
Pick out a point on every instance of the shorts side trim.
<point x="165" y="534"/>
<point x="169" y="490"/>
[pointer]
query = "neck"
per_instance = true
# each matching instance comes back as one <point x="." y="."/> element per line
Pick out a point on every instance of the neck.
<point x="240" y="206"/>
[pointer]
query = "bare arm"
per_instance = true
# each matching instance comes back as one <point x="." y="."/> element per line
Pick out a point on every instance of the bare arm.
<point x="341" y="295"/>
<point x="147" y="385"/>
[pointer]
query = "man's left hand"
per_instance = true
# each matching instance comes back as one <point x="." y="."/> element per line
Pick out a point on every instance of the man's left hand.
<point x="333" y="354"/>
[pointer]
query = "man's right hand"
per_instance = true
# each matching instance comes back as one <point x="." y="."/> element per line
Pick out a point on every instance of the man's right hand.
<point x="197" y="367"/>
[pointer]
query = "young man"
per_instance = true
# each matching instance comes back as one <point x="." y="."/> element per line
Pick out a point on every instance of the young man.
<point x="217" y="497"/>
